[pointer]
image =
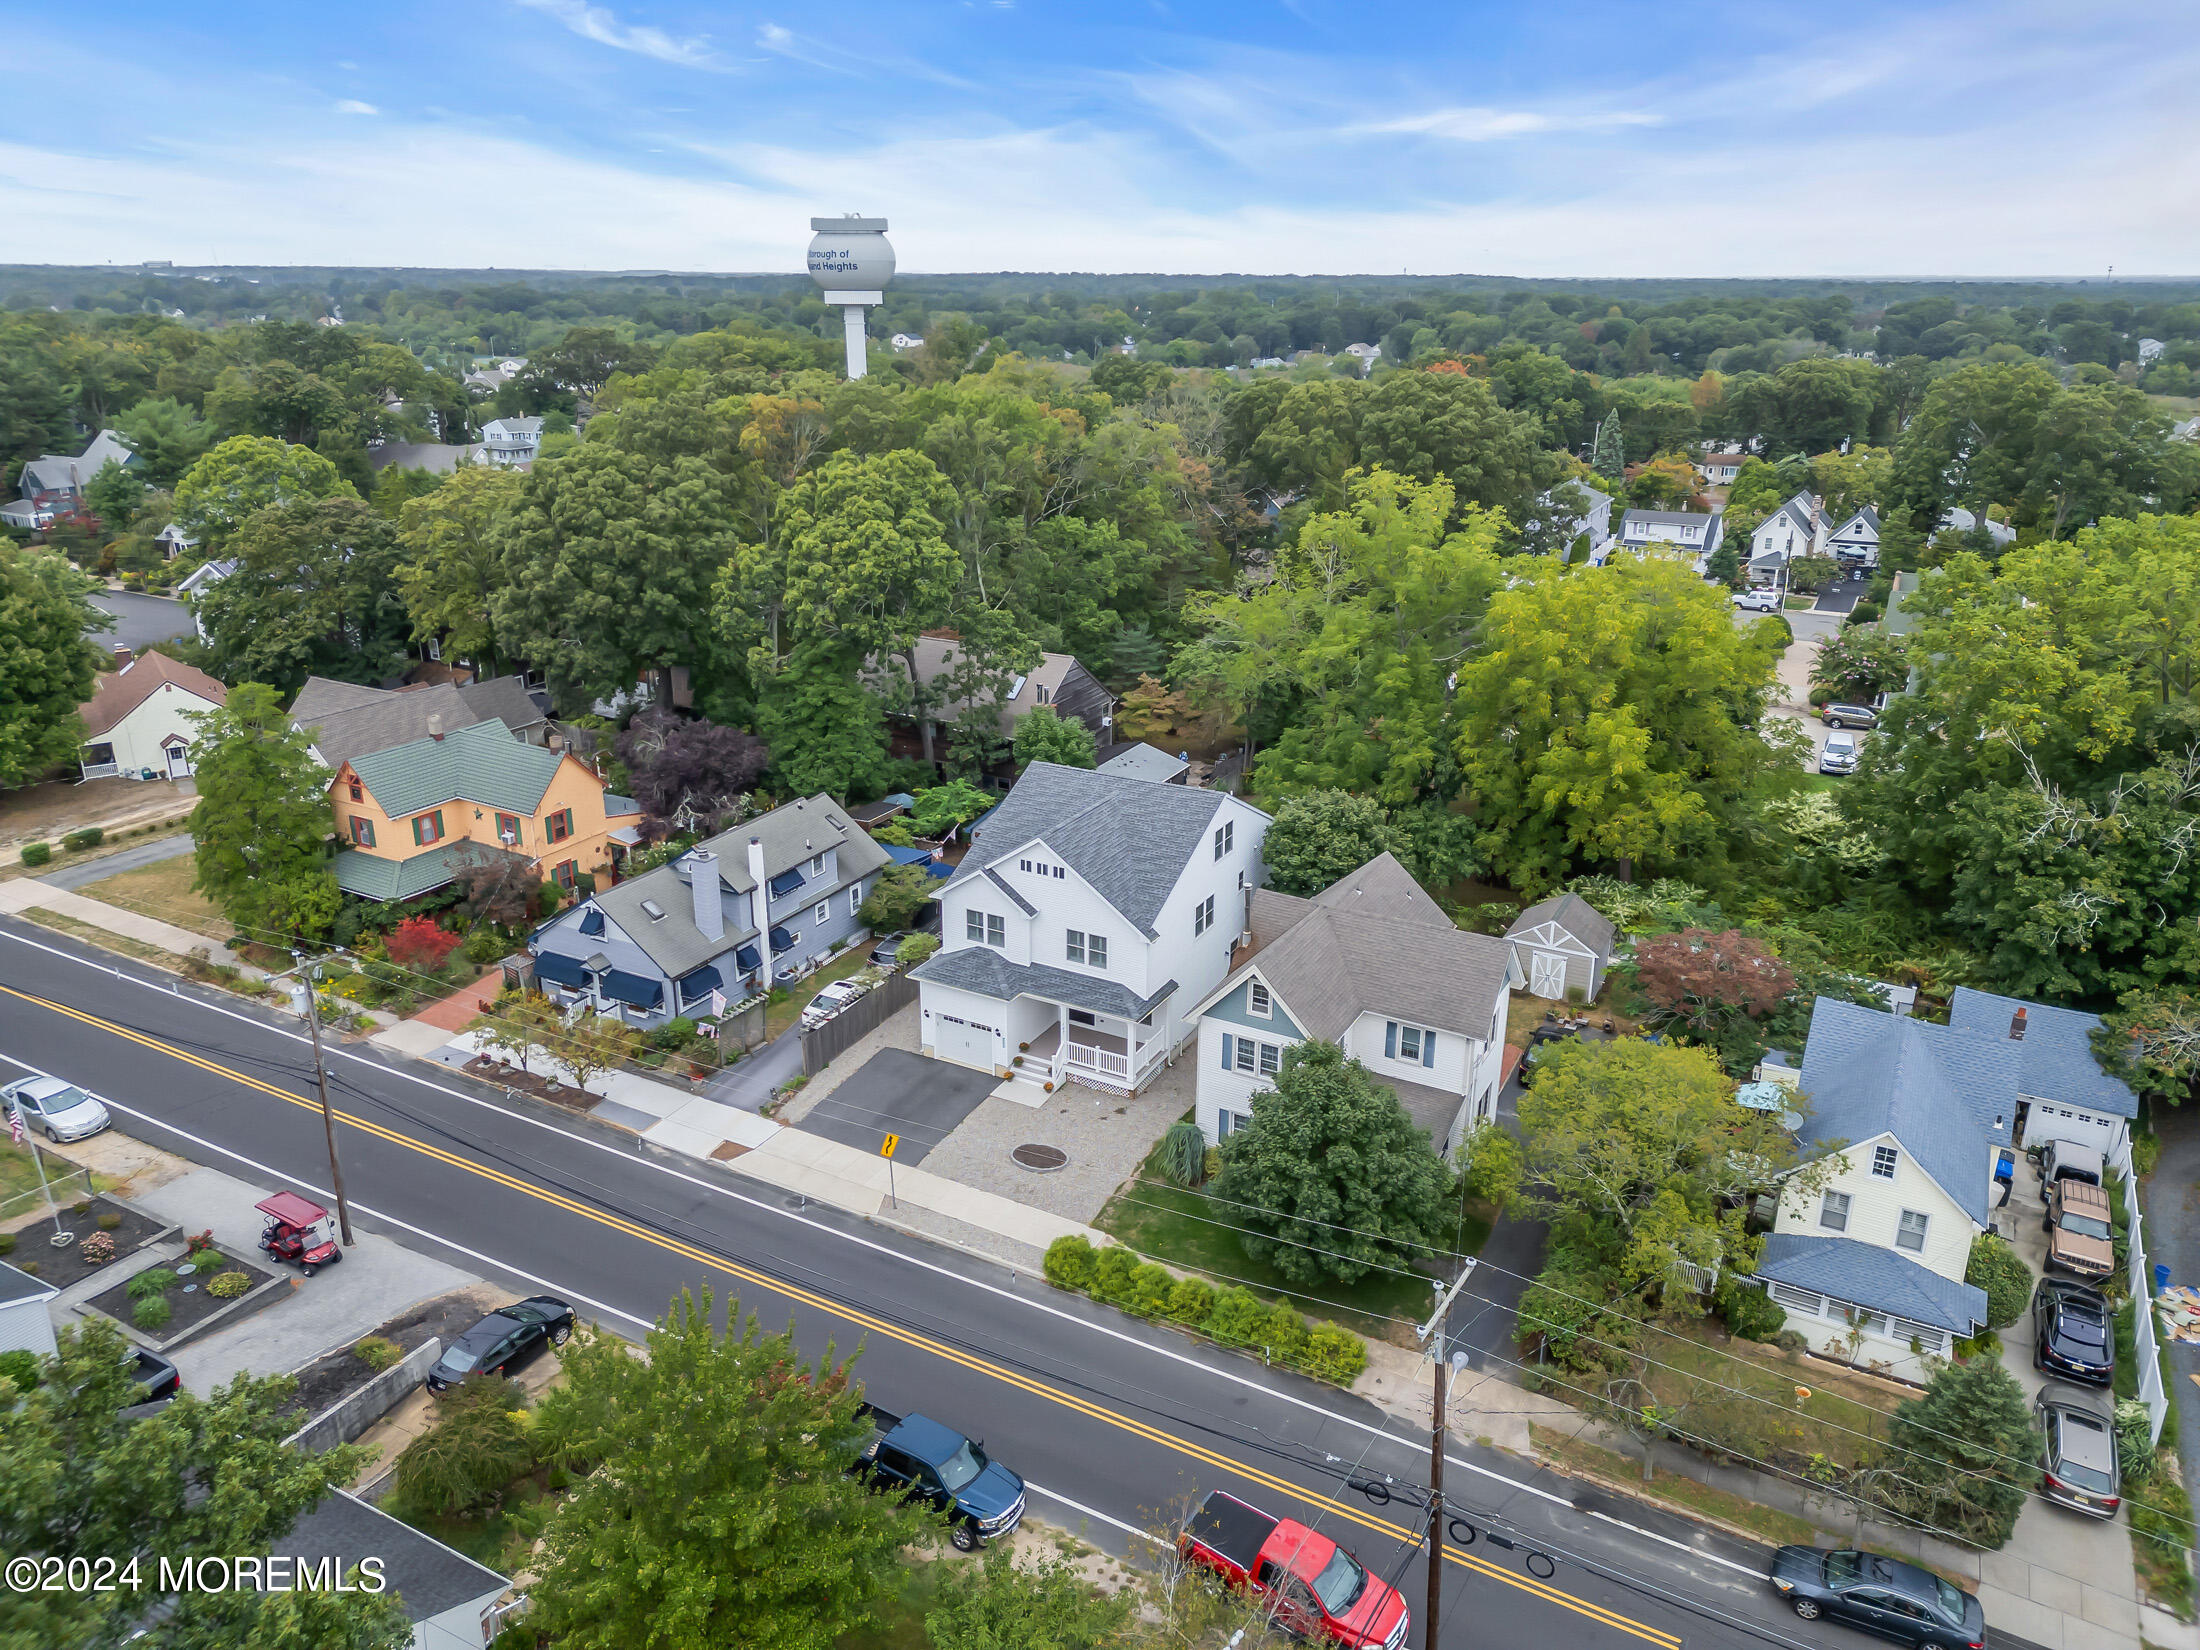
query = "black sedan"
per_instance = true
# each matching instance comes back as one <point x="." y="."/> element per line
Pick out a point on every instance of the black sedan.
<point x="1881" y="1595"/>
<point x="2070" y="1333"/>
<point x="503" y="1340"/>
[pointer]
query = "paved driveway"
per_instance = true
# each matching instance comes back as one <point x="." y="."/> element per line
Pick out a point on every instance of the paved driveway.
<point x="896" y="1092"/>
<point x="1841" y="595"/>
<point x="141" y="619"/>
<point x="76" y="875"/>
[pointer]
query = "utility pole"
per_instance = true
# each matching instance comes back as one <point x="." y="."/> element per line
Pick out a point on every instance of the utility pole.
<point x="1432" y="1336"/>
<point x="320" y="1076"/>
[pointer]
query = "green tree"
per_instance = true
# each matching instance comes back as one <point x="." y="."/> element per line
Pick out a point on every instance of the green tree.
<point x="201" y="1477"/>
<point x="739" y="1527"/>
<point x="114" y="494"/>
<point x="247" y="474"/>
<point x="453" y="568"/>
<point x="1999" y="1270"/>
<point x="47" y="668"/>
<point x="261" y="826"/>
<point x="1644" y="1143"/>
<point x="1045" y="735"/>
<point x="314" y="595"/>
<point x="609" y="558"/>
<point x="1960" y="1453"/>
<point x="1857" y="664"/>
<point x="900" y="892"/>
<point x="1446" y="426"/>
<point x="1331" y="1173"/>
<point x="1611" y="715"/>
<point x="167" y="436"/>
<point x="1002" y="1605"/>
<point x="1849" y="481"/>
<point x="1319" y="836"/>
<point x="2152" y="1042"/>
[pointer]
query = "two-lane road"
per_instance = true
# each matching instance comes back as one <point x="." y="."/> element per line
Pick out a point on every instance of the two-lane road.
<point x="1117" y="1423"/>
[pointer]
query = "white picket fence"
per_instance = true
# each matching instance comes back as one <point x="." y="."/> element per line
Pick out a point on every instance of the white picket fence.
<point x="2141" y="1281"/>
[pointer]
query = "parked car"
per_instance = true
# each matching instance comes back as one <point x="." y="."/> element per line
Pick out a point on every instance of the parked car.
<point x="1757" y="601"/>
<point x="2069" y="1160"/>
<point x="1849" y="716"/>
<point x="60" y="1111"/>
<point x="1839" y="755"/>
<point x="504" y="1339"/>
<point x="2070" y="1333"/>
<point x="831" y="1000"/>
<point x="2078" y="1229"/>
<point x="1886" y="1596"/>
<point x="888" y="949"/>
<point x="1316" y="1589"/>
<point x="1532" y="1055"/>
<point x="160" y="1378"/>
<point x="935" y="1464"/>
<point x="2078" y="1467"/>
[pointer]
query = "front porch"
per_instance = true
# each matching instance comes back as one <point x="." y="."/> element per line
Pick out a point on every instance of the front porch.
<point x="1063" y="1044"/>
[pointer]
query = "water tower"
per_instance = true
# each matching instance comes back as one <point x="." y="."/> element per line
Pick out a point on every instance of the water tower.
<point x="851" y="260"/>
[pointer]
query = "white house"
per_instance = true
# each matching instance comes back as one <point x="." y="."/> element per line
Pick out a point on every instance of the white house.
<point x="1960" y="520"/>
<point x="135" y="722"/>
<point x="1690" y="534"/>
<point x="1591" y="511"/>
<point x="25" y="1324"/>
<point x="1871" y="1267"/>
<point x="204" y="577"/>
<point x="511" y="443"/>
<point x="1857" y="539"/>
<point x="905" y="341"/>
<point x="1720" y="469"/>
<point x="1372" y="964"/>
<point x="174" y="541"/>
<point x="1365" y="354"/>
<point x="1798" y="528"/>
<point x="1091" y="913"/>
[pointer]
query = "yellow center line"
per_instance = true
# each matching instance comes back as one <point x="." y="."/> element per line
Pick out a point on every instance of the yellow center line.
<point x="853" y="1315"/>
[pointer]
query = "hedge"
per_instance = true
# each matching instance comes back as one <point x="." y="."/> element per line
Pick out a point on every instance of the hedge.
<point x="37" y="853"/>
<point x="1233" y="1316"/>
<point x="90" y="837"/>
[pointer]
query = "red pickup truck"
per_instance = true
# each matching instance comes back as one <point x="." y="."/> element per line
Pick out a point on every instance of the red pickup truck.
<point x="1314" y="1588"/>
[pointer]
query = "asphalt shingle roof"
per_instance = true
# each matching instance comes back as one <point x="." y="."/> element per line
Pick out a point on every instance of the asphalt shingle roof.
<point x="360" y="727"/>
<point x="982" y="969"/>
<point x="1130" y="839"/>
<point x="119" y="692"/>
<point x="370" y="876"/>
<point x="2055" y="1058"/>
<point x="1936" y="1089"/>
<point x="428" y="1577"/>
<point x="21" y="1286"/>
<point x="1143" y="761"/>
<point x="1864" y="1274"/>
<point x="482" y="763"/>
<point x="504" y="697"/>
<point x="1572" y="913"/>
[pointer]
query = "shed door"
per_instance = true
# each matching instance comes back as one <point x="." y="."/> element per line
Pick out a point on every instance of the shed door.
<point x="963" y="1042"/>
<point x="1547" y="974"/>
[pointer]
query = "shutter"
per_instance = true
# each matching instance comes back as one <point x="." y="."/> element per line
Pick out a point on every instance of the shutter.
<point x="1390" y="1040"/>
<point x="1428" y="1047"/>
<point x="1225" y="1051"/>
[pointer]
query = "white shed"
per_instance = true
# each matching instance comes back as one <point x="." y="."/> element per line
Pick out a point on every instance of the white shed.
<point x="1562" y="945"/>
<point x="25" y="1325"/>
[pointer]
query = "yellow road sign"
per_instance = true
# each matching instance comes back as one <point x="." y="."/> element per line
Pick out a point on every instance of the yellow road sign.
<point x="886" y="1146"/>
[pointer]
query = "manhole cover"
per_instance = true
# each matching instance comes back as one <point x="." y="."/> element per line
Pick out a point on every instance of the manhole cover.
<point x="1043" y="1159"/>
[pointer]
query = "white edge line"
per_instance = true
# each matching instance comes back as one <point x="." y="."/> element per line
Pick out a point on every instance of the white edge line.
<point x="1666" y="1540"/>
<point x="1147" y="1347"/>
<point x="1080" y="1507"/>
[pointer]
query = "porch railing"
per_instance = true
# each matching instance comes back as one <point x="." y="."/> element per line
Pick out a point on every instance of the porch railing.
<point x="1105" y="1061"/>
<point x="101" y="770"/>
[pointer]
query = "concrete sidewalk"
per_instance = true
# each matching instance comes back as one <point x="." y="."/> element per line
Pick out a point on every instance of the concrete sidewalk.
<point x="25" y="893"/>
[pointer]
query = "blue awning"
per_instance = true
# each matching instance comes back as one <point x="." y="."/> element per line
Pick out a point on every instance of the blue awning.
<point x="782" y="941"/>
<point x="785" y="883"/>
<point x="591" y="921"/>
<point x="909" y="856"/>
<point x="560" y="970"/>
<point x="635" y="990"/>
<point x="939" y="870"/>
<point x="748" y="958"/>
<point x="701" y="983"/>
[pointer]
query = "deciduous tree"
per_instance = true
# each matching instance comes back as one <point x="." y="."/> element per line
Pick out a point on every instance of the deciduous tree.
<point x="1003" y="1605"/>
<point x="245" y="475"/>
<point x="690" y="775"/>
<point x="262" y="822"/>
<point x="1319" y="836"/>
<point x="47" y="668"/>
<point x="1043" y="734"/>
<point x="1701" y="980"/>
<point x="314" y="594"/>
<point x="453" y="567"/>
<point x="1959" y="1453"/>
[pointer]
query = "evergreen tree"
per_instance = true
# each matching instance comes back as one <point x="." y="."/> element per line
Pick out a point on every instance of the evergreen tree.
<point x="1960" y="1453"/>
<point x="1608" y="455"/>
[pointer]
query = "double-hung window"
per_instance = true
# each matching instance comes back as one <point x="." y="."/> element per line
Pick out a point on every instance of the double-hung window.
<point x="1225" y="837"/>
<point x="1075" y="949"/>
<point x="558" y="826"/>
<point x="1415" y="1045"/>
<point x="1203" y="916"/>
<point x="362" y="830"/>
<point x="1258" y="1002"/>
<point x="1271" y="1059"/>
<point x="508" y="830"/>
<point x="855" y="899"/>
<point x="1088" y="949"/>
<point x="1246" y="1053"/>
<point x="1910" y="1234"/>
<point x="428" y="828"/>
<point x="1833" y="1212"/>
<point x="823" y="914"/>
<point x="985" y="927"/>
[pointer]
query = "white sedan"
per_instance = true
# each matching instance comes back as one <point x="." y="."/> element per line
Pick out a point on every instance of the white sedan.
<point x="60" y="1111"/>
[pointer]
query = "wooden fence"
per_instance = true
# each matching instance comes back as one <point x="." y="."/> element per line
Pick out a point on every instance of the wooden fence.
<point x="822" y="1044"/>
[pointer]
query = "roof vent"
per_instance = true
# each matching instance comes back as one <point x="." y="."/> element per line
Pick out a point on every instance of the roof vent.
<point x="2016" y="1026"/>
<point x="653" y="911"/>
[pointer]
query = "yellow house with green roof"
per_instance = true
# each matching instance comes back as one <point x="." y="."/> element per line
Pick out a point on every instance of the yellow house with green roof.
<point x="403" y="814"/>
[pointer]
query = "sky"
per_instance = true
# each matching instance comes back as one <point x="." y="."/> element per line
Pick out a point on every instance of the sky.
<point x="1550" y="138"/>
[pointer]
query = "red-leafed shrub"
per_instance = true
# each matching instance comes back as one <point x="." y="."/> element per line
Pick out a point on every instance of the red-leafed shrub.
<point x="420" y="945"/>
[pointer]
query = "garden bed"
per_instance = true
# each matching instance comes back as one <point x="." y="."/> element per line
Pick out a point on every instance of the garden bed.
<point x="132" y="1231"/>
<point x="491" y="1070"/>
<point x="192" y="1306"/>
<point x="335" y="1375"/>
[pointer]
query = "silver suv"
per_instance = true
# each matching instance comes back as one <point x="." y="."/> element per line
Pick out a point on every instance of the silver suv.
<point x="1849" y="716"/>
<point x="1839" y="755"/>
<point x="2078" y="1458"/>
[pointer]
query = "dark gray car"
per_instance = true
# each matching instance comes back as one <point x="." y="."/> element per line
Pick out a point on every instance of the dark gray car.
<point x="2078" y="1457"/>
<point x="1880" y="1595"/>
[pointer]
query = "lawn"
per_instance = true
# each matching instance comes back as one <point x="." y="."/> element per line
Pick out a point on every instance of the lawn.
<point x="1779" y="1528"/>
<point x="1191" y="1230"/>
<point x="163" y="890"/>
<point x="1838" y="1407"/>
<point x="783" y="1013"/>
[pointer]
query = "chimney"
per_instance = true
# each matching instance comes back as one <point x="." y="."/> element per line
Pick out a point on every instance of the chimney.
<point x="710" y="915"/>
<point x="762" y="896"/>
<point x="2016" y="1026"/>
<point x="435" y="727"/>
<point x="123" y="656"/>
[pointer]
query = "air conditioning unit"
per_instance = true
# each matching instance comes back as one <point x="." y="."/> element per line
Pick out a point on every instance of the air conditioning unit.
<point x="510" y="839"/>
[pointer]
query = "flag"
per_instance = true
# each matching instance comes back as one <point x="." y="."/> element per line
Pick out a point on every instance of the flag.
<point x="15" y="1124"/>
<point x="717" y="1004"/>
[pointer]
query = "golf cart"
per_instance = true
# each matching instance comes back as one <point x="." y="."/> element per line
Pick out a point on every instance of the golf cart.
<point x="298" y="1232"/>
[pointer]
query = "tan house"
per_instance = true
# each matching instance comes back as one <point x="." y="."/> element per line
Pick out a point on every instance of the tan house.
<point x="403" y="813"/>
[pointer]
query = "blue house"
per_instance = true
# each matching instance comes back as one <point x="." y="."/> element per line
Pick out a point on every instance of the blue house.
<point x="771" y="898"/>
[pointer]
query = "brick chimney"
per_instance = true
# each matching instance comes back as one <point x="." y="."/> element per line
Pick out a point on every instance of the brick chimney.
<point x="2016" y="1026"/>
<point x="435" y="727"/>
<point x="123" y="657"/>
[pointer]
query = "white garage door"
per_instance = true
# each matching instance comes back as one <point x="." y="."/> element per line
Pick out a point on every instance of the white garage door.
<point x="1547" y="974"/>
<point x="2043" y="1122"/>
<point x="963" y="1041"/>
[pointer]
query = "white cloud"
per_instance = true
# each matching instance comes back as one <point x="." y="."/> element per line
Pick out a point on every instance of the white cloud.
<point x="602" y="25"/>
<point x="1480" y="125"/>
<point x="352" y="106"/>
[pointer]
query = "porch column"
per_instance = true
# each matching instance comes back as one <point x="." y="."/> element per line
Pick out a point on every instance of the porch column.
<point x="1058" y="1067"/>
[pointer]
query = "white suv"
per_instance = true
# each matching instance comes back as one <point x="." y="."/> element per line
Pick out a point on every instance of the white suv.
<point x="1757" y="601"/>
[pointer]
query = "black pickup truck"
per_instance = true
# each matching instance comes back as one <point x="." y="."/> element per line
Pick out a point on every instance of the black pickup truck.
<point x="925" y="1461"/>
